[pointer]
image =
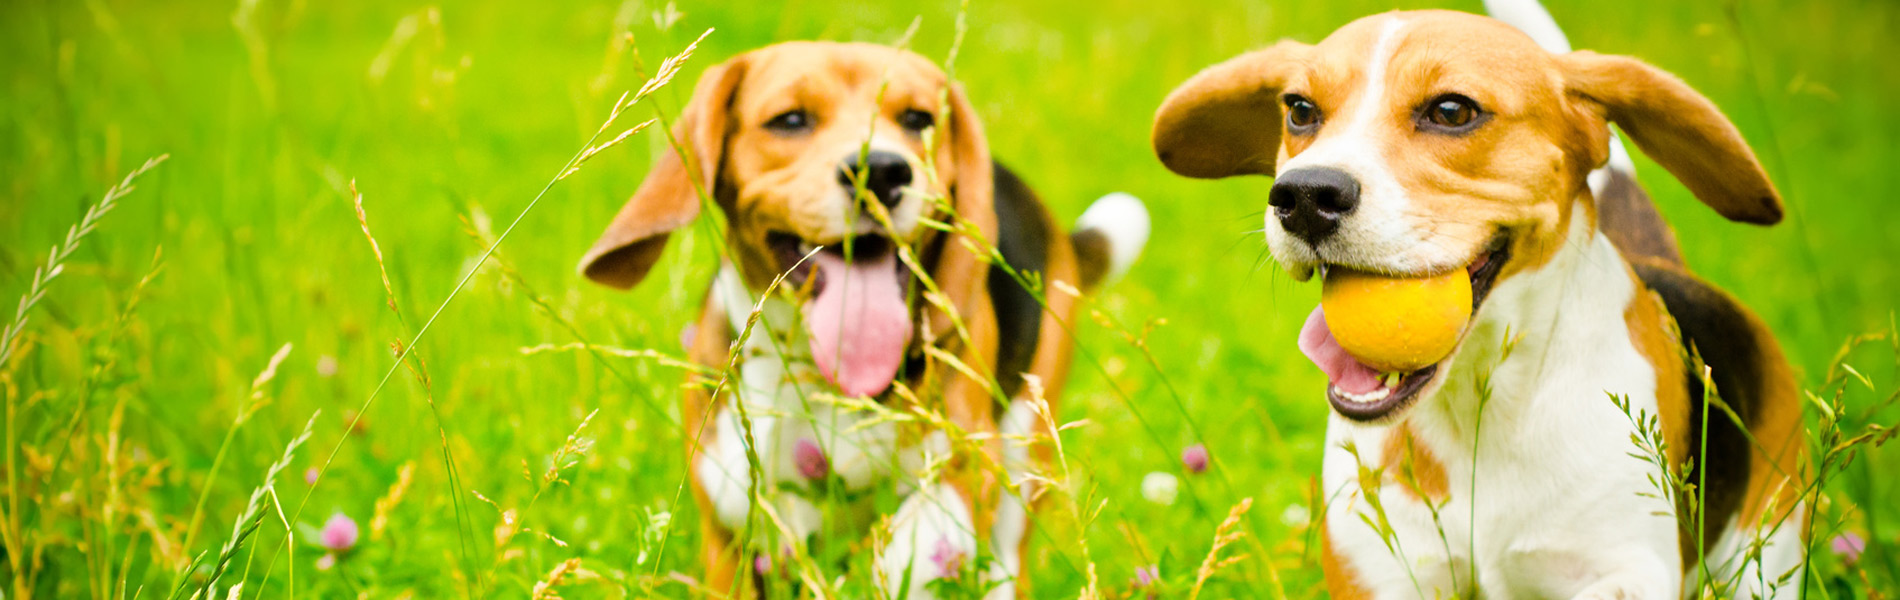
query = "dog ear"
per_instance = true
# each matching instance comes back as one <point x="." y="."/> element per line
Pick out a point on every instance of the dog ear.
<point x="1226" y="120"/>
<point x="974" y="186"/>
<point x="959" y="269"/>
<point x="669" y="197"/>
<point x="1680" y="129"/>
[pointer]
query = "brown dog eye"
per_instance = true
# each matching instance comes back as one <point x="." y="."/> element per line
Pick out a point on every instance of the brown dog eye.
<point x="791" y="121"/>
<point x="1451" y="112"/>
<point x="916" y="120"/>
<point x="1301" y="114"/>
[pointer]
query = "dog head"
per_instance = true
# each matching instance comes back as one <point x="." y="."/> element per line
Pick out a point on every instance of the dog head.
<point x="810" y="145"/>
<point x="1414" y="143"/>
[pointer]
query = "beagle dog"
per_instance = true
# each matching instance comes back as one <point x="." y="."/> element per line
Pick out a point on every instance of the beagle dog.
<point x="858" y="176"/>
<point x="1412" y="143"/>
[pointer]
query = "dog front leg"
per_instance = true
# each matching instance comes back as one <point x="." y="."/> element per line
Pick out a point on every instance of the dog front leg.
<point x="932" y="538"/>
<point x="1651" y="582"/>
<point x="1620" y="589"/>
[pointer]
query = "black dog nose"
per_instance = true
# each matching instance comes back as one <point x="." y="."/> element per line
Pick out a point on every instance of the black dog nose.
<point x="1311" y="201"/>
<point x="885" y="174"/>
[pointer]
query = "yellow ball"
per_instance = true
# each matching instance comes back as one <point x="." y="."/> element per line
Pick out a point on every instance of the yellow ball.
<point x="1396" y="324"/>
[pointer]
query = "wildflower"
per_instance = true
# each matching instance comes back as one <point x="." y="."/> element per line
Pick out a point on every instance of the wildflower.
<point x="1147" y="576"/>
<point x="326" y="562"/>
<point x="948" y="558"/>
<point x="762" y="562"/>
<point x="310" y="475"/>
<point x="326" y="366"/>
<point x="1160" y="488"/>
<point x="1849" y="545"/>
<point x="1296" y="515"/>
<point x="810" y="459"/>
<point x="1195" y="458"/>
<point x="687" y="334"/>
<point x="339" y="533"/>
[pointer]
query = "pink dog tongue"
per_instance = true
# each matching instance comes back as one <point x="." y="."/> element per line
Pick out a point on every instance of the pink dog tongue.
<point x="858" y="323"/>
<point x="1346" y="373"/>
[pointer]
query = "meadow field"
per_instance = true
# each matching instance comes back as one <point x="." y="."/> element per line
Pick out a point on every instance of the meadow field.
<point x="211" y="380"/>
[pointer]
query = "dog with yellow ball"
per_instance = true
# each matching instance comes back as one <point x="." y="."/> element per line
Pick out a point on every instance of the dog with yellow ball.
<point x="1503" y="309"/>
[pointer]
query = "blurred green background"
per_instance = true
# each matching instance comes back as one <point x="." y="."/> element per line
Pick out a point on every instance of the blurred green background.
<point x="452" y="117"/>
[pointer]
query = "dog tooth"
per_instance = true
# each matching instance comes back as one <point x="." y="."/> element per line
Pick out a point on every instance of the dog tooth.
<point x="1368" y="398"/>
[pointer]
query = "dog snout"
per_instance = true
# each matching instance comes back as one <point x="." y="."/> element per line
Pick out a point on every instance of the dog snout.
<point x="885" y="175"/>
<point x="1311" y="201"/>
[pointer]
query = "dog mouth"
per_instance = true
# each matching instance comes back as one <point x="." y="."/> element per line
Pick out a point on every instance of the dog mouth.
<point x="855" y="307"/>
<point x="790" y="251"/>
<point x="1361" y="393"/>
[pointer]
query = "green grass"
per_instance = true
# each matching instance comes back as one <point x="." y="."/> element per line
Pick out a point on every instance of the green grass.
<point x="269" y="120"/>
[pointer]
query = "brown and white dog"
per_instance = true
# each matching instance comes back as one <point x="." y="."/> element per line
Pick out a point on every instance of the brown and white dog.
<point x="794" y="143"/>
<point x="1419" y="142"/>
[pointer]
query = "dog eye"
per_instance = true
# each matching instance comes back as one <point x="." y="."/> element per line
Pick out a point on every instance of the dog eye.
<point x="1450" y="112"/>
<point x="916" y="120"/>
<point x="1301" y="114"/>
<point x="791" y="121"/>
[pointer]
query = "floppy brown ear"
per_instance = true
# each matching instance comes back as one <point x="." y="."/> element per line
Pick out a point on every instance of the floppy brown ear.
<point x="668" y="199"/>
<point x="974" y="187"/>
<point x="1681" y="130"/>
<point x="1226" y="120"/>
<point x="959" y="269"/>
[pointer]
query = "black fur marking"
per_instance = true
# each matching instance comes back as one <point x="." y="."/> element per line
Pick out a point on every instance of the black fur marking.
<point x="1091" y="256"/>
<point x="1717" y="327"/>
<point x="1023" y="229"/>
<point x="1627" y="215"/>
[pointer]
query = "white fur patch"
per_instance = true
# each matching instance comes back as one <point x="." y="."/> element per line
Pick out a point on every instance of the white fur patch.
<point x="930" y="533"/>
<point x="1543" y="465"/>
<point x="776" y="383"/>
<point x="1381" y="234"/>
<point x="1018" y="428"/>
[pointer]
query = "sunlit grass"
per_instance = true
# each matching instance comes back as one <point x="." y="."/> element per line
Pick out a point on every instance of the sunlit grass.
<point x="444" y="115"/>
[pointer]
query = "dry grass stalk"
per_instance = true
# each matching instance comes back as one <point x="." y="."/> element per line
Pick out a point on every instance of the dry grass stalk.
<point x="565" y="457"/>
<point x="248" y="408"/>
<point x="418" y="368"/>
<point x="362" y="219"/>
<point x="668" y="69"/>
<point x="1224" y="536"/>
<point x="56" y="260"/>
<point x="544" y="589"/>
<point x="248" y="522"/>
<point x="387" y="504"/>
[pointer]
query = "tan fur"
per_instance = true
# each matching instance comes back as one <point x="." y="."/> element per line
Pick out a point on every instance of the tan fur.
<point x="1520" y="172"/>
<point x="1414" y="467"/>
<point x="712" y="337"/>
<point x="1341" y="584"/>
<point x="1654" y="334"/>
<point x="1680" y="129"/>
<point x="764" y="182"/>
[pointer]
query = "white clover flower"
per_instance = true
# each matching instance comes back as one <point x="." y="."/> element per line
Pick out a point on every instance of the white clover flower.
<point x="1160" y="488"/>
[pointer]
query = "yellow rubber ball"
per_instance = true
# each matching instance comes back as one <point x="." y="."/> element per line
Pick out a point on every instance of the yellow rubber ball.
<point x="1396" y="324"/>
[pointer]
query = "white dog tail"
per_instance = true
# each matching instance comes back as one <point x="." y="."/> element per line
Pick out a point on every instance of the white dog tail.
<point x="1625" y="212"/>
<point x="1530" y="17"/>
<point x="1109" y="237"/>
